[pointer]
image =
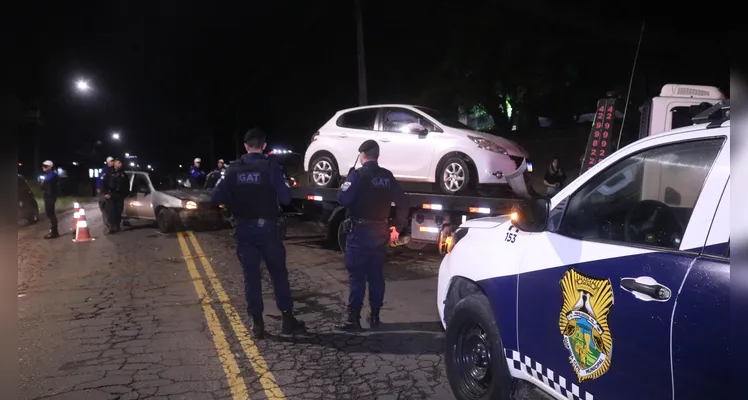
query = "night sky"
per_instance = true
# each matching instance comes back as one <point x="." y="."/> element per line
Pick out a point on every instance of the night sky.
<point x="172" y="75"/>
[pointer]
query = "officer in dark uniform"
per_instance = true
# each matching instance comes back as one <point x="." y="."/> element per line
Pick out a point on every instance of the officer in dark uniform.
<point x="221" y="167"/>
<point x="368" y="193"/>
<point x="50" y="191"/>
<point x="102" y="200"/>
<point x="116" y="187"/>
<point x="252" y="190"/>
<point x="197" y="175"/>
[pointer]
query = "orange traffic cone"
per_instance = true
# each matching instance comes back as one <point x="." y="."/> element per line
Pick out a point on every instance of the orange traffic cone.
<point x="76" y="211"/>
<point x="81" y="229"/>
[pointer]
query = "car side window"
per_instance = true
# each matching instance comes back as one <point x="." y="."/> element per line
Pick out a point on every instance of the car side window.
<point x="644" y="199"/>
<point x="22" y="185"/>
<point x="397" y="119"/>
<point x="140" y="183"/>
<point x="358" y="119"/>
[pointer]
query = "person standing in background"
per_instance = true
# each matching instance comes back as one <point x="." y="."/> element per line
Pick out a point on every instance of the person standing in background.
<point x="50" y="191"/>
<point x="554" y="178"/>
<point x="197" y="175"/>
<point x="116" y="187"/>
<point x="102" y="200"/>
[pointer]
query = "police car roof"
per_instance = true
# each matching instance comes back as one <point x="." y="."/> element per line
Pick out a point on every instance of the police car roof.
<point x="684" y="132"/>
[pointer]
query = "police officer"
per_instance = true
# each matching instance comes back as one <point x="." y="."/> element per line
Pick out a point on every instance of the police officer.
<point x="221" y="167"/>
<point x="197" y="175"/>
<point x="116" y="187"/>
<point x="252" y="189"/>
<point x="368" y="193"/>
<point x="50" y="191"/>
<point x="102" y="200"/>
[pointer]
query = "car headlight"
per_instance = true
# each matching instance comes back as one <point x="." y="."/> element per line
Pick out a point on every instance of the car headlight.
<point x="488" y="145"/>
<point x="190" y="205"/>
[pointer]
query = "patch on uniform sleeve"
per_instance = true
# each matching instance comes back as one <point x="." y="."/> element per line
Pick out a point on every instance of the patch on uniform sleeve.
<point x="249" y="178"/>
<point x="345" y="186"/>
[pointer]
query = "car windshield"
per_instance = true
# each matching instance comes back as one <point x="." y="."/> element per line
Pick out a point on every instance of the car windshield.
<point x="443" y="118"/>
<point x="163" y="182"/>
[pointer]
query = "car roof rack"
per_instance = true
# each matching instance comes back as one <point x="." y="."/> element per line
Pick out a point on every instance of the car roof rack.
<point x="715" y="115"/>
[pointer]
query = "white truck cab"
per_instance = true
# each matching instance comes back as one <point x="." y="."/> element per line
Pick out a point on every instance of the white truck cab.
<point x="675" y="107"/>
<point x="616" y="288"/>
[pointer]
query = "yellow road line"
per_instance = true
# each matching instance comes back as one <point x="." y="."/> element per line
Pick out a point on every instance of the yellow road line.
<point x="228" y="362"/>
<point x="267" y="380"/>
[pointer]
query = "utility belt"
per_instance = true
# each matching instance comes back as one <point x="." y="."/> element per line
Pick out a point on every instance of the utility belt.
<point x="279" y="222"/>
<point x="349" y="223"/>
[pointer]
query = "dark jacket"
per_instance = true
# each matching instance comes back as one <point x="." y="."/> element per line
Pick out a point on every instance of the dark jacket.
<point x="116" y="182"/>
<point x="50" y="185"/>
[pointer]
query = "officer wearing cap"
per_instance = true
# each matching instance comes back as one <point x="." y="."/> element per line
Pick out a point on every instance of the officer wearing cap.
<point x="102" y="200"/>
<point x="367" y="194"/>
<point x="252" y="189"/>
<point x="197" y="175"/>
<point x="116" y="187"/>
<point x="50" y="191"/>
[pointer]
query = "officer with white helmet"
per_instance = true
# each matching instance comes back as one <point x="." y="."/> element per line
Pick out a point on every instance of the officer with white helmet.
<point x="50" y="191"/>
<point x="197" y="175"/>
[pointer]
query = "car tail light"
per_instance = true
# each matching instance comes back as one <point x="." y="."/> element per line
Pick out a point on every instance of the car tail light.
<point x="314" y="137"/>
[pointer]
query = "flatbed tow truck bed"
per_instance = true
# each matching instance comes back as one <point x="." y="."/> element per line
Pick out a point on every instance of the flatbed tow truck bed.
<point x="431" y="218"/>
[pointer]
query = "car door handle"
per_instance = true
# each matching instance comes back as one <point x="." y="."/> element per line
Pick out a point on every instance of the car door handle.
<point x="384" y="140"/>
<point x="646" y="289"/>
<point x="343" y="135"/>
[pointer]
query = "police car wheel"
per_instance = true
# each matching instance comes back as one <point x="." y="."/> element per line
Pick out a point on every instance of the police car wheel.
<point x="475" y="362"/>
<point x="453" y="176"/>
<point x="33" y="216"/>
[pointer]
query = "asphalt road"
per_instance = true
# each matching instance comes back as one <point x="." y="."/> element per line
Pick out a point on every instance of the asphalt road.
<point x="143" y="315"/>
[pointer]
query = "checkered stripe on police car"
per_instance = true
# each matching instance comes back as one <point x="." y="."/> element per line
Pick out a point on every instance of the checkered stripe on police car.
<point x="546" y="375"/>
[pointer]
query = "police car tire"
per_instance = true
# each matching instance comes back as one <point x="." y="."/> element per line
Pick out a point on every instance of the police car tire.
<point x="33" y="216"/>
<point x="476" y="309"/>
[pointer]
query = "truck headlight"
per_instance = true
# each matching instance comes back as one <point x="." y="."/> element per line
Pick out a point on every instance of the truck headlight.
<point x="486" y="144"/>
<point x="190" y="205"/>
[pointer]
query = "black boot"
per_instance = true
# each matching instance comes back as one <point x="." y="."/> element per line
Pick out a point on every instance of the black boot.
<point x="258" y="326"/>
<point x="352" y="323"/>
<point x="52" y="235"/>
<point x="291" y="325"/>
<point x="374" y="318"/>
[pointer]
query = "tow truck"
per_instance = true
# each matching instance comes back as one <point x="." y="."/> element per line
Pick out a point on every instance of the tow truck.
<point x="434" y="217"/>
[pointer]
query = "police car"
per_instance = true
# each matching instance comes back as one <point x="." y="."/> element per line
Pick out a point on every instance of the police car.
<point x="616" y="288"/>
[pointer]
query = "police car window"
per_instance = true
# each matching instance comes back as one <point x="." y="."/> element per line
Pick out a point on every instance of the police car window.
<point x="644" y="199"/>
<point x="359" y="119"/>
<point x="22" y="185"/>
<point x="397" y="119"/>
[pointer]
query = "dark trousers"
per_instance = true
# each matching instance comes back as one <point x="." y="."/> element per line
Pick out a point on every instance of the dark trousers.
<point x="49" y="209"/>
<point x="104" y="212"/>
<point x="115" y="204"/>
<point x="365" y="256"/>
<point x="258" y="240"/>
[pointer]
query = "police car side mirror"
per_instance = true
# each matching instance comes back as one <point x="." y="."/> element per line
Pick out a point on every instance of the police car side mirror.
<point x="532" y="215"/>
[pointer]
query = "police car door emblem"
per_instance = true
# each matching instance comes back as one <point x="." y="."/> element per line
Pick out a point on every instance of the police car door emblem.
<point x="584" y="323"/>
<point x="345" y="186"/>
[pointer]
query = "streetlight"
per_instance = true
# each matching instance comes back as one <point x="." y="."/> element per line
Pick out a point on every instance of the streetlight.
<point x="127" y="154"/>
<point x="115" y="135"/>
<point x="149" y="167"/>
<point x="82" y="85"/>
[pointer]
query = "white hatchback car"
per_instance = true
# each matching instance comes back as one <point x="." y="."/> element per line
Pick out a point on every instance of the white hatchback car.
<point x="417" y="144"/>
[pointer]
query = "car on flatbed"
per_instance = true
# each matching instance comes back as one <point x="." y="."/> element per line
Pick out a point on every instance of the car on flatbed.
<point x="616" y="288"/>
<point x="418" y="144"/>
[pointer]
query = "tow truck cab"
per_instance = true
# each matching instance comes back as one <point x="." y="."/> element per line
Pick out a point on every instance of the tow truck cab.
<point x="675" y="107"/>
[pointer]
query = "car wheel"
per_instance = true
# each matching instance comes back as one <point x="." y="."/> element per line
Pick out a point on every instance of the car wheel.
<point x="454" y="176"/>
<point x="166" y="220"/>
<point x="33" y="216"/>
<point x="474" y="354"/>
<point x="323" y="172"/>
